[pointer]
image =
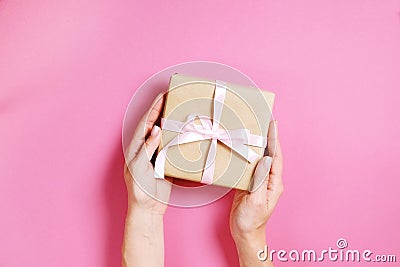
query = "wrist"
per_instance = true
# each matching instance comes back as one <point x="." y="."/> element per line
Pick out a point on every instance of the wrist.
<point x="143" y="238"/>
<point x="248" y="246"/>
<point x="137" y="212"/>
<point x="249" y="238"/>
<point x="142" y="223"/>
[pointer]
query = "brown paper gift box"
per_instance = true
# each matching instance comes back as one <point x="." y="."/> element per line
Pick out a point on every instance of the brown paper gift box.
<point x="244" y="107"/>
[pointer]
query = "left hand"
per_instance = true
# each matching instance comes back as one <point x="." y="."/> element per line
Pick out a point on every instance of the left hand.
<point x="139" y="172"/>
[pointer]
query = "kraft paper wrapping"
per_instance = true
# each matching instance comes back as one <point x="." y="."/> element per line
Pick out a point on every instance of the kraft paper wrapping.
<point x="244" y="107"/>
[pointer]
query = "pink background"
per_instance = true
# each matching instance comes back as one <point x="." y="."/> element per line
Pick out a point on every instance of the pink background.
<point x="69" y="68"/>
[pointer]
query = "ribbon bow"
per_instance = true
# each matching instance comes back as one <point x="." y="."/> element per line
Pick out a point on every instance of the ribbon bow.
<point x="238" y="140"/>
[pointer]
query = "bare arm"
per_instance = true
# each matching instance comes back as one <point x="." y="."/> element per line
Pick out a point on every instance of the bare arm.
<point x="144" y="239"/>
<point x="251" y="211"/>
<point x="143" y="243"/>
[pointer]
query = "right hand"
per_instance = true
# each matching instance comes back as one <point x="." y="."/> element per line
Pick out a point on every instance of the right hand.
<point x="251" y="211"/>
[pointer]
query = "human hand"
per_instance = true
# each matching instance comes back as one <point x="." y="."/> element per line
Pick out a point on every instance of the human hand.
<point x="251" y="211"/>
<point x="145" y="192"/>
<point x="143" y="243"/>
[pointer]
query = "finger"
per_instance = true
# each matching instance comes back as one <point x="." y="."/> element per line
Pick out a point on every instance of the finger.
<point x="277" y="162"/>
<point x="150" y="146"/>
<point x="272" y="138"/>
<point x="144" y="126"/>
<point x="275" y="184"/>
<point x="153" y="141"/>
<point x="148" y="120"/>
<point x="274" y="190"/>
<point x="261" y="173"/>
<point x="274" y="148"/>
<point x="260" y="180"/>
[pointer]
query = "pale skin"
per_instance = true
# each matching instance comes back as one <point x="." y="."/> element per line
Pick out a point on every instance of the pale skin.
<point x="143" y="243"/>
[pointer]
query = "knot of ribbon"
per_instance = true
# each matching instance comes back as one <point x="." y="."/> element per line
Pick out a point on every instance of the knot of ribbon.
<point x="238" y="140"/>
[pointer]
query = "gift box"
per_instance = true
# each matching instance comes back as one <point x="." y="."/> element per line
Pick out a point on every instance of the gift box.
<point x="213" y="132"/>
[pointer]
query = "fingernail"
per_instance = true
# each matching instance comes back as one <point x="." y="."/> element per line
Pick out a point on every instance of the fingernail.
<point x="276" y="128"/>
<point x="155" y="130"/>
<point x="267" y="162"/>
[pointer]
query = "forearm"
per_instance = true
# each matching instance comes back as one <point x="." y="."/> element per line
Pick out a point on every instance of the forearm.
<point x="143" y="239"/>
<point x="248" y="248"/>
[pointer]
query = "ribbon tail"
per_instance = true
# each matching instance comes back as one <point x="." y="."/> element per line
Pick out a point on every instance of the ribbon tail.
<point x="243" y="150"/>
<point x="208" y="173"/>
<point x="257" y="140"/>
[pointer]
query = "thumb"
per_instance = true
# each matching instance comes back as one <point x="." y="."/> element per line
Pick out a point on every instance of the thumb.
<point x="260" y="179"/>
<point x="149" y="147"/>
<point x="153" y="141"/>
